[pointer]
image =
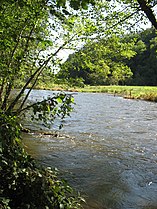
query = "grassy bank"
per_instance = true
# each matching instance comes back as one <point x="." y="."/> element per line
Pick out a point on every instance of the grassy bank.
<point x="131" y="92"/>
<point x="148" y="93"/>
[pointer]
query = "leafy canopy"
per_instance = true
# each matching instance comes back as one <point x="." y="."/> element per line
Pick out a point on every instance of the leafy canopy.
<point x="99" y="62"/>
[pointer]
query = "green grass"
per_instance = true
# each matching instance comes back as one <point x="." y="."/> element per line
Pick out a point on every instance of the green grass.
<point x="132" y="92"/>
<point x="148" y="93"/>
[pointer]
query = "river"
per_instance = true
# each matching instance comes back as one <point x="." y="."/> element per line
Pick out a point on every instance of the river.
<point x="108" y="150"/>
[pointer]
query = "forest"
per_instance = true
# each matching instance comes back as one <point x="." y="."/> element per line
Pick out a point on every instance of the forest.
<point x="126" y="60"/>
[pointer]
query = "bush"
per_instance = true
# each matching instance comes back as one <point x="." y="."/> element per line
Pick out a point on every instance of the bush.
<point x="25" y="184"/>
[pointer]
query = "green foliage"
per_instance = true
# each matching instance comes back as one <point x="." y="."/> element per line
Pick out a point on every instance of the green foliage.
<point x="24" y="37"/>
<point x="100" y="62"/>
<point x="24" y="184"/>
<point x="76" y="4"/>
<point x="60" y="105"/>
<point x="31" y="35"/>
<point x="23" y="32"/>
<point x="144" y="64"/>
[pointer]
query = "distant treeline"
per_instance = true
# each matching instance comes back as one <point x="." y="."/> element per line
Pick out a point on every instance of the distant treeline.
<point x="144" y="63"/>
<point x="127" y="60"/>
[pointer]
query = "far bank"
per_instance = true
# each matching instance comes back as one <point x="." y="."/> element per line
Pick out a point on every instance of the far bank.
<point x="148" y="93"/>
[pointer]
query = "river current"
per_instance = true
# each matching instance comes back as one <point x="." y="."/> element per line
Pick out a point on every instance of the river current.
<point x="108" y="150"/>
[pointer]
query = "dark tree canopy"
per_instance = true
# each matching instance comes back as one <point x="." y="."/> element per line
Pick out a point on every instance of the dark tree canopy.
<point x="144" y="63"/>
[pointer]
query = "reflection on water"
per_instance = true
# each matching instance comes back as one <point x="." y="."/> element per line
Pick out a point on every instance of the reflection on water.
<point x="108" y="151"/>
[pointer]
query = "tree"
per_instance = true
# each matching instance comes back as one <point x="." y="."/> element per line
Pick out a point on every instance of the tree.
<point x="144" y="63"/>
<point x="24" y="43"/>
<point x="146" y="7"/>
<point x="29" y="45"/>
<point x="99" y="62"/>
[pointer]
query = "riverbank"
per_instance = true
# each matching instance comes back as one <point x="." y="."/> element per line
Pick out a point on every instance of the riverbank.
<point x="25" y="183"/>
<point x="148" y="93"/>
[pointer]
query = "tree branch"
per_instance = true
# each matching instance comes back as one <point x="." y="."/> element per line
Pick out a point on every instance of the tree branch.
<point x="27" y="95"/>
<point x="148" y="11"/>
<point x="38" y="71"/>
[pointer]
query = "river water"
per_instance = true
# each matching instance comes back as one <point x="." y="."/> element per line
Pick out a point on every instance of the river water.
<point x="108" y="150"/>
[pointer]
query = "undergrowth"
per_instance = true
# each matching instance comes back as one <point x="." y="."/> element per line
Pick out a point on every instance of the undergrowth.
<point x="23" y="183"/>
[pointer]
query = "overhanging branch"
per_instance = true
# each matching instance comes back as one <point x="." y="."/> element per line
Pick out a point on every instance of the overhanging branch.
<point x="36" y="73"/>
<point x="148" y="11"/>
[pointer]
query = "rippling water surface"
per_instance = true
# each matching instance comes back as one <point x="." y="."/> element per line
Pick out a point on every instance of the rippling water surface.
<point x="108" y="152"/>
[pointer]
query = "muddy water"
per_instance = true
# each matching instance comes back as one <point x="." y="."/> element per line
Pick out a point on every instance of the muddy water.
<point x="108" y="150"/>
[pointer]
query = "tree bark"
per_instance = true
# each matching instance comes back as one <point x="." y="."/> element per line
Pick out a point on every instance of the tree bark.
<point x="145" y="7"/>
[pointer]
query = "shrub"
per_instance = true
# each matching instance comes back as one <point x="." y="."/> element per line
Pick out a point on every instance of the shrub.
<point x="25" y="184"/>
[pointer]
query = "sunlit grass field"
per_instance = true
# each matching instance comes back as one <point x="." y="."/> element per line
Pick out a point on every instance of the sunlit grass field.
<point x="132" y="92"/>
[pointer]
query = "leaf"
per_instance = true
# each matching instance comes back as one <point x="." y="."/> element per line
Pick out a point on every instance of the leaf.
<point x="59" y="100"/>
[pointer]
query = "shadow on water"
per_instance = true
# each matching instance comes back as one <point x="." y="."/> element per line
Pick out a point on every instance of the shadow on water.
<point x="107" y="151"/>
